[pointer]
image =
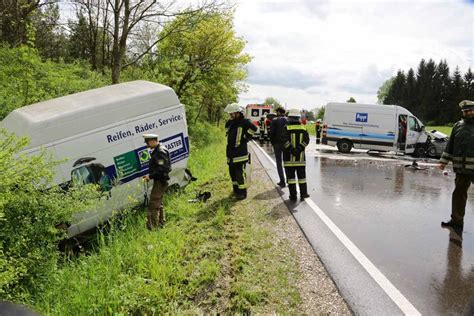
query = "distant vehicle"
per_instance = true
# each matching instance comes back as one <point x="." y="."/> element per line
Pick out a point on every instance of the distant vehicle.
<point x="436" y="144"/>
<point x="373" y="127"/>
<point x="255" y="111"/>
<point x="99" y="135"/>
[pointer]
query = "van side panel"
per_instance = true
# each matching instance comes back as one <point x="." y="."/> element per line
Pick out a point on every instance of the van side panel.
<point x="367" y="126"/>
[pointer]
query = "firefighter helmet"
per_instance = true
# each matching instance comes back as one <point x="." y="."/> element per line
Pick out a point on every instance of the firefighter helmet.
<point x="232" y="108"/>
<point x="466" y="105"/>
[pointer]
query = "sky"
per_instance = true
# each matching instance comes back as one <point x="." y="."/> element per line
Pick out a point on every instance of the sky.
<point x="308" y="53"/>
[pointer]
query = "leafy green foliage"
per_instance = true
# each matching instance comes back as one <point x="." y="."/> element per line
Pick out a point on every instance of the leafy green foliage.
<point x="205" y="65"/>
<point x="29" y="210"/>
<point x="26" y="79"/>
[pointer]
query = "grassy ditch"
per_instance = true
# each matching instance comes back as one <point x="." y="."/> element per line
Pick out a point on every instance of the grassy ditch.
<point x="210" y="257"/>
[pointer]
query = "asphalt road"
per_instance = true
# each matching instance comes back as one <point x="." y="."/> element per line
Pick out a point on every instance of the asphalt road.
<point x="392" y="213"/>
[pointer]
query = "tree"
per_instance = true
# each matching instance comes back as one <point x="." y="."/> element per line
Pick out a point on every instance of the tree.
<point x="384" y="89"/>
<point x="15" y="20"/>
<point x="395" y="94"/>
<point x="469" y="85"/>
<point x="272" y="100"/>
<point x="320" y="113"/>
<point x="351" y="100"/>
<point x="205" y="64"/>
<point x="409" y="93"/>
<point x="441" y="90"/>
<point x="128" y="15"/>
<point x="425" y="87"/>
<point x="455" y="96"/>
<point x="50" y="40"/>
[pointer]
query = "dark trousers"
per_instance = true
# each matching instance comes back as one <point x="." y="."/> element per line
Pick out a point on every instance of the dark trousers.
<point x="278" y="149"/>
<point x="156" y="213"/>
<point x="291" y="173"/>
<point x="463" y="182"/>
<point x="318" y="137"/>
<point x="239" y="177"/>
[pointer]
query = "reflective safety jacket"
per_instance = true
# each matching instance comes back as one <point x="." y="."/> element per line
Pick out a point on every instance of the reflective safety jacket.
<point x="460" y="147"/>
<point x="239" y="132"/>
<point x="160" y="164"/>
<point x="295" y="139"/>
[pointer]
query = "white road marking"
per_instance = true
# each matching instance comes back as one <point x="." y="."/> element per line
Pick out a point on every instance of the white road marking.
<point x="395" y="295"/>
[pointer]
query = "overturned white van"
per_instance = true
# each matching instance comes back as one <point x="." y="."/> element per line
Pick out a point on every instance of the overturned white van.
<point x="98" y="136"/>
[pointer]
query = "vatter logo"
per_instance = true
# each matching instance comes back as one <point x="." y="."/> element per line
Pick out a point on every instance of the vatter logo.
<point x="144" y="156"/>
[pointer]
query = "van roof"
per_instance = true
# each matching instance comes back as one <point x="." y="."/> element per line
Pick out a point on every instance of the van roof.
<point x="63" y="117"/>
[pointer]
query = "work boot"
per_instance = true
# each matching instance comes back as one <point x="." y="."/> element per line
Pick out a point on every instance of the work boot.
<point x="241" y="196"/>
<point x="281" y="184"/>
<point x="452" y="224"/>
<point x="293" y="197"/>
<point x="304" y="196"/>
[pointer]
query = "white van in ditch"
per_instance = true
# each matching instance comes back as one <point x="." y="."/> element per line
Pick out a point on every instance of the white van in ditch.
<point x="373" y="127"/>
<point x="98" y="136"/>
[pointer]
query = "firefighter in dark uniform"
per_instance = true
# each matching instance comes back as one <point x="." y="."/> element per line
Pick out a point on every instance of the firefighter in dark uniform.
<point x="276" y="131"/>
<point x="295" y="139"/>
<point x="460" y="151"/>
<point x="159" y="169"/>
<point x="262" y="129"/>
<point x="318" y="131"/>
<point x="239" y="130"/>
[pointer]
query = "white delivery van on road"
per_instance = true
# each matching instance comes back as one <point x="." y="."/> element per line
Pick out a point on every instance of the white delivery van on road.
<point x="372" y="127"/>
<point x="98" y="134"/>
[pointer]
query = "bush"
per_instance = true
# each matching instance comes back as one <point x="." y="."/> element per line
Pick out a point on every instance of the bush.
<point x="202" y="134"/>
<point x="26" y="79"/>
<point x="30" y="207"/>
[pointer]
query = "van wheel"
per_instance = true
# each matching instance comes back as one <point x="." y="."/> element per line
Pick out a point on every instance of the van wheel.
<point x="344" y="146"/>
<point x="432" y="151"/>
<point x="420" y="151"/>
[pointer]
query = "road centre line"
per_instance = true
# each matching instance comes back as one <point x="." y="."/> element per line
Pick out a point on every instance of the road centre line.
<point x="395" y="295"/>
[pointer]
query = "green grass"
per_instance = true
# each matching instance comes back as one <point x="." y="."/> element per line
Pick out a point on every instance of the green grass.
<point x="213" y="257"/>
<point x="443" y="129"/>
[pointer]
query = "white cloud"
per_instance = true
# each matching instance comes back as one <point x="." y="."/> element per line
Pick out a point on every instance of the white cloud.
<point x="307" y="53"/>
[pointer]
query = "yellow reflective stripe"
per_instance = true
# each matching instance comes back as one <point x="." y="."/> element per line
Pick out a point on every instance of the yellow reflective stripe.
<point x="244" y="176"/>
<point x="301" y="180"/>
<point x="295" y="127"/>
<point x="239" y="136"/>
<point x="235" y="182"/>
<point x="466" y="159"/>
<point x="293" y="164"/>
<point x="291" y="181"/>
<point x="287" y="144"/>
<point x="240" y="159"/>
<point x="469" y="167"/>
<point x="301" y="154"/>
<point x="250" y="131"/>
<point x="293" y="140"/>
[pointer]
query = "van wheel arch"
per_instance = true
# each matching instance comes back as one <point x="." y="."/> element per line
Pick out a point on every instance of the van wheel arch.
<point x="345" y="145"/>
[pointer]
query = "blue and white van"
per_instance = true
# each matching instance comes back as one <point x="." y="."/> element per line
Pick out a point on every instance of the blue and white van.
<point x="372" y="127"/>
<point x="97" y="134"/>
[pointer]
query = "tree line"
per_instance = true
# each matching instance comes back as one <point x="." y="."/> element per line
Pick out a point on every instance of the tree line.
<point x="432" y="93"/>
<point x="192" y="48"/>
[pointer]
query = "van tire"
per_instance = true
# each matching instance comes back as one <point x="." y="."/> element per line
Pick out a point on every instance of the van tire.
<point x="431" y="151"/>
<point x="344" y="146"/>
<point x="420" y="151"/>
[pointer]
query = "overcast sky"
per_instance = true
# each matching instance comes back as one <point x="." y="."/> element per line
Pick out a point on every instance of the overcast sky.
<point x="307" y="53"/>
